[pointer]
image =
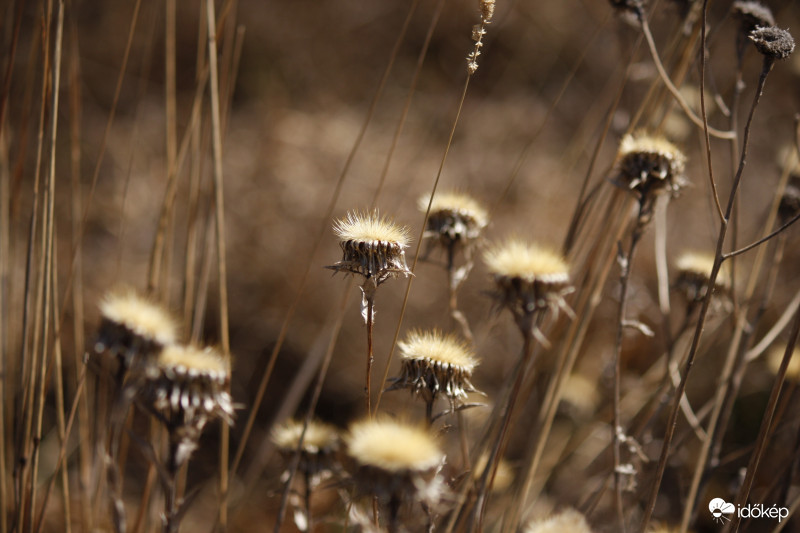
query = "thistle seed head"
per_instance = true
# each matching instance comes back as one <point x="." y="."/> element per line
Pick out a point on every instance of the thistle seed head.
<point x="568" y="521"/>
<point x="434" y="363"/>
<point x="752" y="14"/>
<point x="372" y="246"/>
<point x="772" y="42"/>
<point x="455" y="219"/>
<point x="393" y="459"/>
<point x="694" y="271"/>
<point x="186" y="388"/>
<point x="133" y="326"/>
<point x="320" y="444"/>
<point x="528" y="278"/>
<point x="649" y="165"/>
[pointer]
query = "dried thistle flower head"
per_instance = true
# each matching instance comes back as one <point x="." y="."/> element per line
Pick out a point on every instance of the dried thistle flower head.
<point x="133" y="325"/>
<point x="434" y="363"/>
<point x="186" y="389"/>
<point x="752" y="14"/>
<point x="775" y="358"/>
<point x="454" y="219"/>
<point x="649" y="165"/>
<point x="372" y="246"/>
<point x="528" y="277"/>
<point x="628" y="6"/>
<point x="568" y="521"/>
<point x="773" y="43"/>
<point x="393" y="459"/>
<point x="694" y="271"/>
<point x="319" y="443"/>
<point x="790" y="200"/>
<point x="503" y="477"/>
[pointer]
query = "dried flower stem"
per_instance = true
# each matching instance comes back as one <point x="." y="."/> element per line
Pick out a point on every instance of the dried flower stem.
<point x="626" y="265"/>
<point x="690" y="358"/>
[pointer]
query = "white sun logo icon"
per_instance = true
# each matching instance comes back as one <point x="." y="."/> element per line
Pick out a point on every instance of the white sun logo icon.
<point x="719" y="508"/>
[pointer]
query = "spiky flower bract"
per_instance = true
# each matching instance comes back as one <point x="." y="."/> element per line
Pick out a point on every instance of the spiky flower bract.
<point x="372" y="246"/>
<point x="568" y="521"/>
<point x="186" y="389"/>
<point x="434" y="363"/>
<point x="320" y="443"/>
<point x="773" y="43"/>
<point x="133" y="325"/>
<point x="392" y="459"/>
<point x="694" y="272"/>
<point x="528" y="277"/>
<point x="455" y="218"/>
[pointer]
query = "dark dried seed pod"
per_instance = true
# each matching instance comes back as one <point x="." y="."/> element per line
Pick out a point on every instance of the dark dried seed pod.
<point x="773" y="42"/>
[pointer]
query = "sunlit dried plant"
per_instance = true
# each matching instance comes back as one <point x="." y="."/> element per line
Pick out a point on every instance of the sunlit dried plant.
<point x="434" y="364"/>
<point x="396" y="462"/>
<point x="373" y="247"/>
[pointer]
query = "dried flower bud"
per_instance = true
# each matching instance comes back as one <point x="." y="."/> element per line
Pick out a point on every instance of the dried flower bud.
<point x="454" y="219"/>
<point x="133" y="326"/>
<point x="319" y="444"/>
<point x="393" y="460"/>
<point x="186" y="389"/>
<point x="503" y="477"/>
<point x="435" y="363"/>
<point x="568" y="520"/>
<point x="649" y="165"/>
<point x="528" y="278"/>
<point x="694" y="271"/>
<point x="752" y="14"/>
<point x="372" y="247"/>
<point x="772" y="42"/>
<point x="790" y="201"/>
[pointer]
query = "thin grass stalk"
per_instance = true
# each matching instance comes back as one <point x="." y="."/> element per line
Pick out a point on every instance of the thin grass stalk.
<point x="718" y="257"/>
<point x="409" y="95"/>
<point x="578" y="213"/>
<point x="220" y="233"/>
<point x="75" y="110"/>
<point x="62" y="453"/>
<point x="29" y="335"/>
<point x="419" y="241"/>
<point x="525" y="363"/>
<point x="106" y="133"/>
<point x="697" y="121"/>
<point x="324" y="228"/>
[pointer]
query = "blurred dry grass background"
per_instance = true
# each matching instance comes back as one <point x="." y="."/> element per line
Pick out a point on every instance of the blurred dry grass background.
<point x="306" y="75"/>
